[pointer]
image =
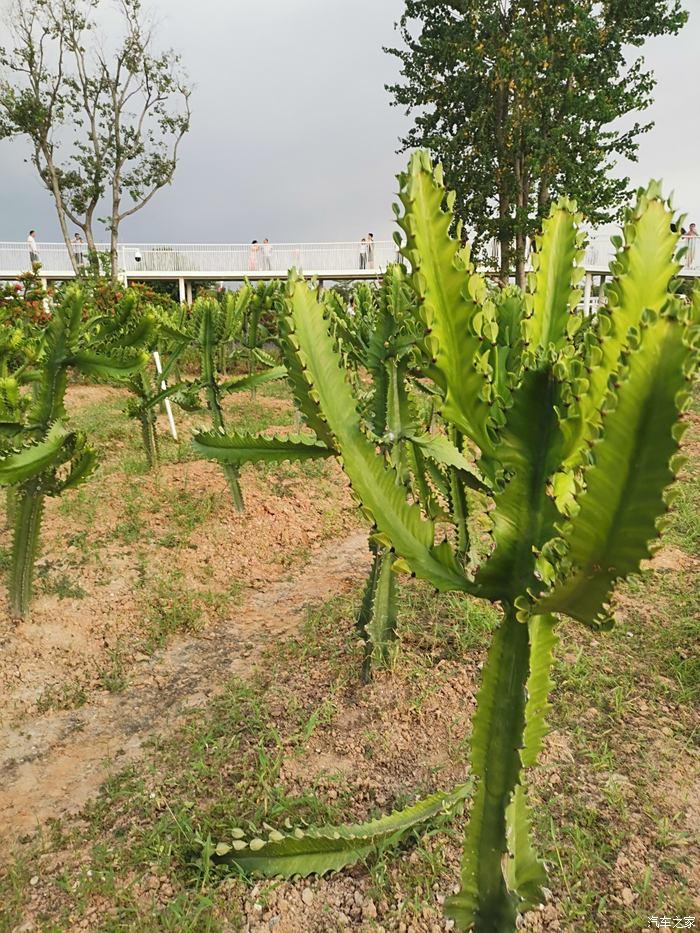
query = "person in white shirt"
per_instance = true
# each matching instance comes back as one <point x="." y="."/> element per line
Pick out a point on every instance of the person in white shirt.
<point x="363" y="253"/>
<point x="267" y="255"/>
<point x="78" y="247"/>
<point x="33" y="249"/>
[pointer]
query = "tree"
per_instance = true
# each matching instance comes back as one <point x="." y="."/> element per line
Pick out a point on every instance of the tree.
<point x="519" y="98"/>
<point x="104" y="124"/>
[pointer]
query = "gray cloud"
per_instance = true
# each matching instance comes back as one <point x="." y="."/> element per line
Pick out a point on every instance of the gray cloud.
<point x="293" y="137"/>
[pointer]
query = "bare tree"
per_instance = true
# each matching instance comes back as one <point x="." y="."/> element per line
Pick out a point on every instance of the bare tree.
<point x="104" y="122"/>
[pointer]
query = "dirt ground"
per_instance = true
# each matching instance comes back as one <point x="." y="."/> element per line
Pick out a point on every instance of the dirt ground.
<point x="206" y="665"/>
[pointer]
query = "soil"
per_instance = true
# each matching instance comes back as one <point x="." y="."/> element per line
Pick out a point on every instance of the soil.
<point x="243" y="578"/>
<point x="52" y="765"/>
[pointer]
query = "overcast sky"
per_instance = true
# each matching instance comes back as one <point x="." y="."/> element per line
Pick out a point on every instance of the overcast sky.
<point x="292" y="134"/>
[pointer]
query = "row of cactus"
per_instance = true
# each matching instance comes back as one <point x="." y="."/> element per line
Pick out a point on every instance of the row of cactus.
<point x="43" y="339"/>
<point x="572" y="427"/>
<point x="40" y="455"/>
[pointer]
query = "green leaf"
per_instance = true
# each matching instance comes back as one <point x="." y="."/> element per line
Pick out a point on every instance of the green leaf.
<point x="441" y="450"/>
<point x="449" y="300"/>
<point x="331" y="848"/>
<point x="624" y="494"/>
<point x="254" y="380"/>
<point x="552" y="299"/>
<point x="238" y="449"/>
<point x="117" y="365"/>
<point x="375" y="484"/>
<point x="525" y="515"/>
<point x="31" y="461"/>
<point x="644" y="268"/>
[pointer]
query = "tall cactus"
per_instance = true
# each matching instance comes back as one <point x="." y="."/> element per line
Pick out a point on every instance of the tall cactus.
<point x="382" y="341"/>
<point x="577" y="428"/>
<point x="41" y="456"/>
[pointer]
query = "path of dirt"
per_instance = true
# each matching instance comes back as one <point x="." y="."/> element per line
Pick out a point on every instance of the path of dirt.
<point x="53" y="765"/>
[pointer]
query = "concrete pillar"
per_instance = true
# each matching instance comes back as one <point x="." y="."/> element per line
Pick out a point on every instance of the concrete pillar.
<point x="588" y="284"/>
<point x="181" y="284"/>
<point x="188" y="292"/>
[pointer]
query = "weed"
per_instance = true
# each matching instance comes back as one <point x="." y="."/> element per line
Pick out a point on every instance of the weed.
<point x="58" y="584"/>
<point x="70" y="695"/>
<point x="112" y="676"/>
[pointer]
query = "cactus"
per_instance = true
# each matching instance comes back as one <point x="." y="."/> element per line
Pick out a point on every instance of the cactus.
<point x="318" y="850"/>
<point x="211" y="327"/>
<point x="577" y="428"/>
<point x="381" y="340"/>
<point x="258" y="325"/>
<point x="39" y="456"/>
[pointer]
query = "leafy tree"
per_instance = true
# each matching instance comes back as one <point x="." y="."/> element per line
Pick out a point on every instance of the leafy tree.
<point x="518" y="99"/>
<point x="104" y="117"/>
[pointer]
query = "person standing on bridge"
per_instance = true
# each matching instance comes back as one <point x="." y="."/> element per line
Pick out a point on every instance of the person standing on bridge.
<point x="370" y="250"/>
<point x="78" y="246"/>
<point x="363" y="253"/>
<point x="33" y="249"/>
<point x="267" y="255"/>
<point x="253" y="256"/>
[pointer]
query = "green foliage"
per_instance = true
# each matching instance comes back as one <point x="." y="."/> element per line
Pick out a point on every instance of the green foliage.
<point x="39" y="455"/>
<point x="521" y="106"/>
<point x="318" y="850"/>
<point x="213" y="326"/>
<point x="577" y="431"/>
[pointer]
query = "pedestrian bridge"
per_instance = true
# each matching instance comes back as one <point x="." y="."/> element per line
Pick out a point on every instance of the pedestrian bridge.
<point x="221" y="262"/>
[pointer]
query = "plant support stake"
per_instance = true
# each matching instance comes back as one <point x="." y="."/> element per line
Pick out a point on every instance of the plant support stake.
<point x="164" y="385"/>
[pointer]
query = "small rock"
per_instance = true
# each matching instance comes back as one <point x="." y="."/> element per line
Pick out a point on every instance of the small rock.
<point x="34" y="880"/>
<point x="628" y="896"/>
<point x="307" y="896"/>
<point x="369" y="910"/>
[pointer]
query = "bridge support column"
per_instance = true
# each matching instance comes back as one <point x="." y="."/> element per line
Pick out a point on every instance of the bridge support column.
<point x="601" y="288"/>
<point x="181" y="284"/>
<point x="587" y="287"/>
<point x="188" y="292"/>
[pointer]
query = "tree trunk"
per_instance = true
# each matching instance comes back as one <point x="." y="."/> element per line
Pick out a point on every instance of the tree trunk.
<point x="114" y="236"/>
<point x="55" y="189"/>
<point x="522" y="181"/>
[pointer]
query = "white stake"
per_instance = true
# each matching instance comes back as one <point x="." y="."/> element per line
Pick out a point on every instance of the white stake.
<point x="164" y="385"/>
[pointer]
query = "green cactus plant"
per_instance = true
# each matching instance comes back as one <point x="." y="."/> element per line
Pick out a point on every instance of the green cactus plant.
<point x="577" y="428"/>
<point x="41" y="457"/>
<point x="214" y="322"/>
<point x="381" y="341"/>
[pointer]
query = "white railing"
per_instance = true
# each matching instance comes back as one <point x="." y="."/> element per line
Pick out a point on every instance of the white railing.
<point x="211" y="260"/>
<point x="220" y="261"/>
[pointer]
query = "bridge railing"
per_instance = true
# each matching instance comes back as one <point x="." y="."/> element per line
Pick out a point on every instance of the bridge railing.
<point x="217" y="260"/>
<point x="209" y="259"/>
